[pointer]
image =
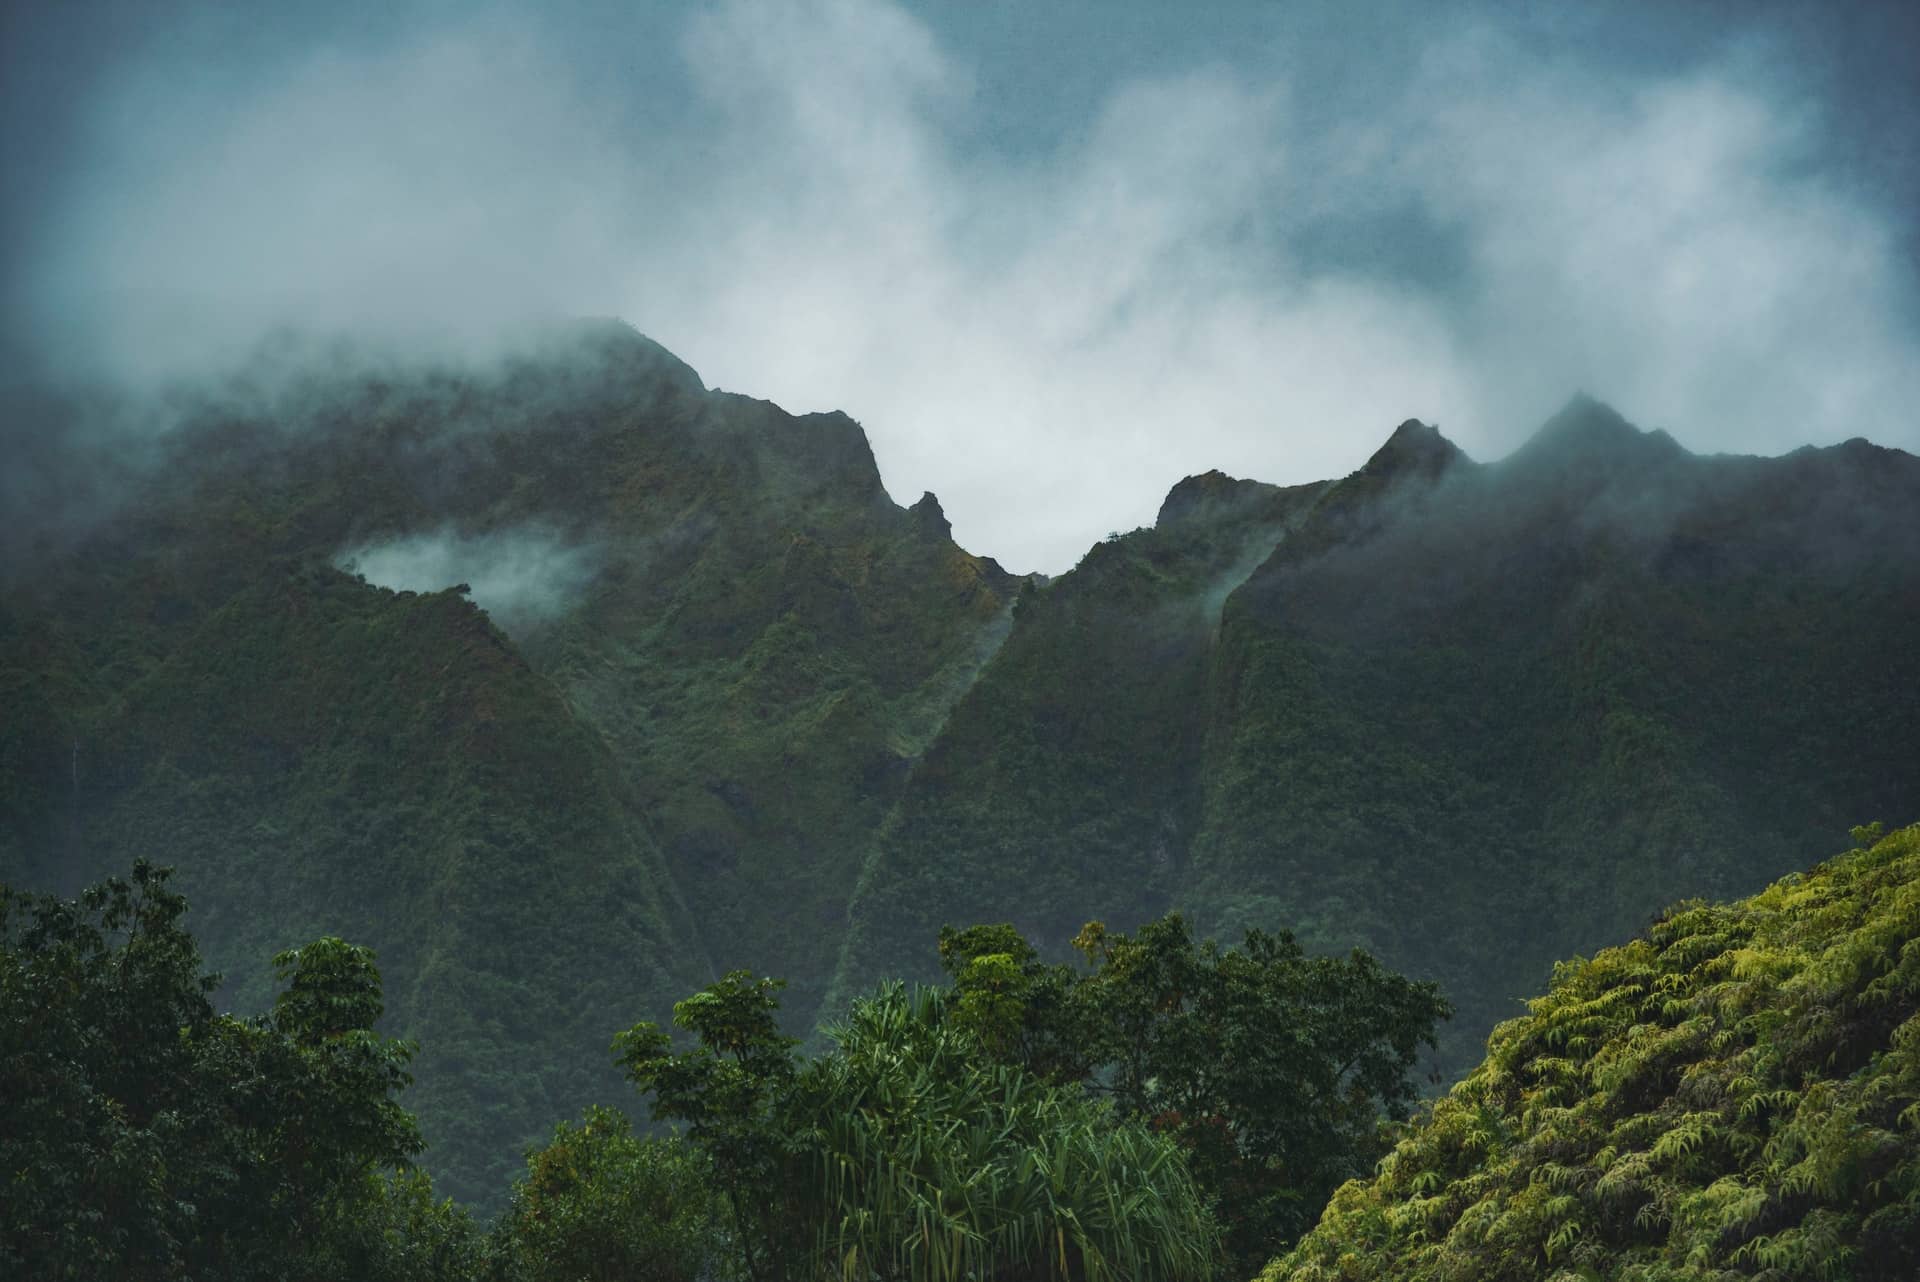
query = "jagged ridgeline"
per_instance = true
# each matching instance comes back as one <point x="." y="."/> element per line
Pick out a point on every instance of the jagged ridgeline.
<point x="705" y="697"/>
<point x="1734" y="1094"/>
<point x="722" y="645"/>
<point x="1472" y="717"/>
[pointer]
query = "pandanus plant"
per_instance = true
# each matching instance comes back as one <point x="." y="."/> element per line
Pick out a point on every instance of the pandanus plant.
<point x="936" y="1165"/>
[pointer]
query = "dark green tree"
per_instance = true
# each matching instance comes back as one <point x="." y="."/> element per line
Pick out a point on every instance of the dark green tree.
<point x="728" y="1090"/>
<point x="94" y="1072"/>
<point x="600" y="1204"/>
<point x="143" y="1136"/>
<point x="1274" y="1069"/>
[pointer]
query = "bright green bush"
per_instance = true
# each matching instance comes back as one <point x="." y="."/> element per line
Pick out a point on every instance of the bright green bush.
<point x="933" y="1163"/>
<point x="1735" y="1094"/>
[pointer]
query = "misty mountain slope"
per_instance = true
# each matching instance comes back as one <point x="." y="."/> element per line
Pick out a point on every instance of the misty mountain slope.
<point x="1066" y="785"/>
<point x="1473" y="717"/>
<point x="729" y="705"/>
<point x="323" y="757"/>
<point x="724" y="640"/>
<point x="777" y="647"/>
<point x="1598" y="676"/>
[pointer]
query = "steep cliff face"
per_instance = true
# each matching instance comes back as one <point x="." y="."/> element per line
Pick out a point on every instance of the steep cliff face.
<point x="1473" y="717"/>
<point x="1556" y="693"/>
<point x="771" y="645"/>
<point x="722" y="643"/>
<point x="1066" y="785"/>
<point x="567" y="683"/>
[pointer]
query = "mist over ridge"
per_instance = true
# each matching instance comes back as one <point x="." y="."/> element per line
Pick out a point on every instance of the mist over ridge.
<point x="84" y="448"/>
<point x="518" y="576"/>
<point x="1045" y="294"/>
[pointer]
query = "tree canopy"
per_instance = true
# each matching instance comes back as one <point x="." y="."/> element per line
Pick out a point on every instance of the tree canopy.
<point x="147" y="1137"/>
<point x="1273" y="1069"/>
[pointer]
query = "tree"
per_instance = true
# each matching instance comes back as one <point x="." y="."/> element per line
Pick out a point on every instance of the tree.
<point x="1022" y="1010"/>
<point x="728" y="1090"/>
<point x="600" y="1204"/>
<point x="94" y="1071"/>
<point x="1273" y="1069"/>
<point x="142" y="1136"/>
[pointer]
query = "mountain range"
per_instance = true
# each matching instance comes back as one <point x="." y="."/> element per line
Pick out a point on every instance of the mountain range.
<point x="661" y="682"/>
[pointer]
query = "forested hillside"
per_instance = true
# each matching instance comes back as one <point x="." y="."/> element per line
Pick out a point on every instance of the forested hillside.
<point x="672" y="687"/>
<point x="723" y="642"/>
<point x="1065" y="785"/>
<point x="1473" y="717"/>
<point x="1736" y="1093"/>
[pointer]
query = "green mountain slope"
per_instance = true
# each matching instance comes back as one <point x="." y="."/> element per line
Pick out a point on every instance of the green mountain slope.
<point x="1734" y="1094"/>
<point x="1471" y="717"/>
<point x="723" y="640"/>
<point x="1555" y="693"/>
<point x="767" y="665"/>
<point x="323" y="757"/>
<point x="1066" y="785"/>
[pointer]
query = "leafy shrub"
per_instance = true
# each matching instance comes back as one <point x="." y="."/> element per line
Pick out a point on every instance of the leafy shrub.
<point x="1737" y="1093"/>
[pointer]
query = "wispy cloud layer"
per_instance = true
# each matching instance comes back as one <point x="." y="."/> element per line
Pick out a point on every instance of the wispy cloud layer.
<point x="521" y="577"/>
<point x="1208" y="269"/>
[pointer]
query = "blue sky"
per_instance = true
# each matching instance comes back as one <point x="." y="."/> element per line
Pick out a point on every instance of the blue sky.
<point x="1053" y="256"/>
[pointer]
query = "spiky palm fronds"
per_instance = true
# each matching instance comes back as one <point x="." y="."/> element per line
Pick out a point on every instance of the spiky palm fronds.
<point x="937" y="1166"/>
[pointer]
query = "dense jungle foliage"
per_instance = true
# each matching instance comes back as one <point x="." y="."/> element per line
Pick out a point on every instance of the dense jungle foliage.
<point x="710" y="699"/>
<point x="1172" y="1111"/>
<point x="1736" y="1093"/>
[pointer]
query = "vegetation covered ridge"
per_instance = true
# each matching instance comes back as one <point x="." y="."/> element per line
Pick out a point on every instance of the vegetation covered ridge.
<point x="1736" y="1093"/>
<point x="634" y="669"/>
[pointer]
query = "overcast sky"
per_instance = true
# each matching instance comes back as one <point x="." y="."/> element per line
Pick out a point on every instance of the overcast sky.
<point x="1054" y="256"/>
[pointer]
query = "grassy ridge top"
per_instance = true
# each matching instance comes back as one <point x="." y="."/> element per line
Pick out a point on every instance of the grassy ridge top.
<point x="1734" y="1094"/>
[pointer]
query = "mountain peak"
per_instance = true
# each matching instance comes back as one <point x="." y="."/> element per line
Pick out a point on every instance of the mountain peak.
<point x="612" y="345"/>
<point x="929" y="520"/>
<point x="1414" y="449"/>
<point x="1209" y="494"/>
<point x="1591" y="431"/>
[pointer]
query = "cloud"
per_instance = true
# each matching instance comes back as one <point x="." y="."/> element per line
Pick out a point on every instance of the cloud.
<point x="434" y="189"/>
<point x="1673" y="245"/>
<point x="1047" y="345"/>
<point x="1217" y="264"/>
<point x="522" y="577"/>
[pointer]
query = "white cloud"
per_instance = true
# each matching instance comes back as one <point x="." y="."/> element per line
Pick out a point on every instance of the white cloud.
<point x="1669" y="247"/>
<point x="519" y="576"/>
<point x="1047" y="340"/>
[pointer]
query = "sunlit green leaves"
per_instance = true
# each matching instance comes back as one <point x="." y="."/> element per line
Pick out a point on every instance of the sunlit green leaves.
<point x="1734" y="1095"/>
